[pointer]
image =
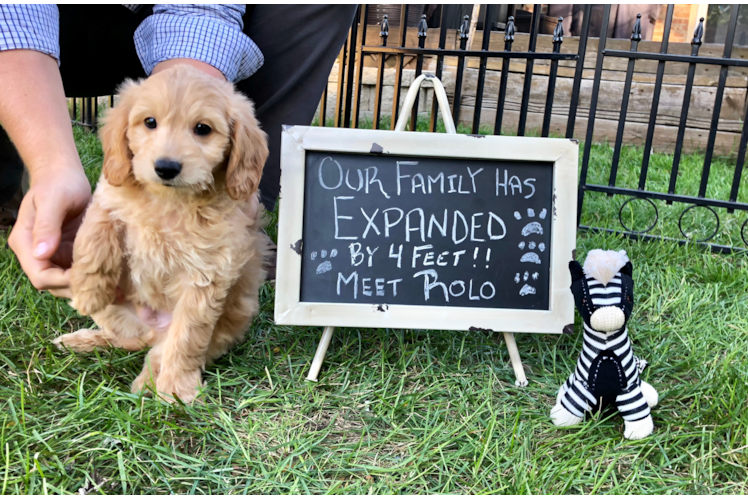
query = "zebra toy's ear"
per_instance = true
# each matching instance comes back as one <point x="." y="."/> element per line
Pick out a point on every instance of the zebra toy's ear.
<point x="575" y="268"/>
<point x="578" y="290"/>
<point x="628" y="269"/>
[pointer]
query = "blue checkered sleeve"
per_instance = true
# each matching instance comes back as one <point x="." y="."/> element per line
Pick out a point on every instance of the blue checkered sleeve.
<point x="211" y="33"/>
<point x="33" y="27"/>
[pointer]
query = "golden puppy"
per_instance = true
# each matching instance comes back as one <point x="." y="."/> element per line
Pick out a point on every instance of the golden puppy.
<point x="168" y="228"/>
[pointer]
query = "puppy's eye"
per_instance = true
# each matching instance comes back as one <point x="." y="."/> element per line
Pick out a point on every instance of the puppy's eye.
<point x="150" y="122"/>
<point x="202" y="129"/>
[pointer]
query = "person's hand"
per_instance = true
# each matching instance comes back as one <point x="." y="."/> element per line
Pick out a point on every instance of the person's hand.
<point x="34" y="113"/>
<point x="48" y="220"/>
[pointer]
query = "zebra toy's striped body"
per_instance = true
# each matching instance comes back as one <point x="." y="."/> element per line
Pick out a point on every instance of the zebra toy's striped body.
<point x="607" y="372"/>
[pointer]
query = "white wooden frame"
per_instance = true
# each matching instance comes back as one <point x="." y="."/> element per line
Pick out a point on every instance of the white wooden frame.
<point x="296" y="141"/>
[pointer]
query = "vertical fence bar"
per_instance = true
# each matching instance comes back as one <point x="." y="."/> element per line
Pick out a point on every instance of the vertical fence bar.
<point x="423" y="31"/>
<point x="655" y="99"/>
<point x="95" y="114"/>
<point x="75" y="108"/>
<point x="111" y="101"/>
<point x="464" y="34"/>
<point x="698" y="35"/>
<point x="505" y="63"/>
<point x="383" y="33"/>
<point x="718" y="100"/>
<point x="360" y="63"/>
<point x="88" y="121"/>
<point x="341" y="76"/>
<point x="350" y="72"/>
<point x="593" y="112"/>
<point x="636" y="37"/>
<point x="323" y="107"/>
<point x="558" y="39"/>
<point x="482" y="69"/>
<point x="399" y="67"/>
<point x="578" y="72"/>
<point x="528" y="71"/>
<point x="739" y="162"/>
<point x="439" y="69"/>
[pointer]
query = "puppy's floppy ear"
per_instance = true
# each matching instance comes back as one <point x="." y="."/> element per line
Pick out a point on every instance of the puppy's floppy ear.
<point x="117" y="154"/>
<point x="249" y="150"/>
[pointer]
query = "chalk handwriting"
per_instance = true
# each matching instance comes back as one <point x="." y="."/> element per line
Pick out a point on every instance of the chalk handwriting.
<point x="457" y="236"/>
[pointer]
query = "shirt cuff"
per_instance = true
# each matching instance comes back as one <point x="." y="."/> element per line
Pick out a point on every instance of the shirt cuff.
<point x="162" y="37"/>
<point x="31" y="27"/>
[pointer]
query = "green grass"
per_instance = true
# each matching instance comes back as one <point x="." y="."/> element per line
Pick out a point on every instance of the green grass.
<point x="395" y="411"/>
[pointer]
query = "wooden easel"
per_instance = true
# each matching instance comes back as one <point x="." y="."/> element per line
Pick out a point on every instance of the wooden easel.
<point x="441" y="97"/>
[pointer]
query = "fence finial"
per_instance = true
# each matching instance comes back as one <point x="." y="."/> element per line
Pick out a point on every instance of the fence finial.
<point x="509" y="31"/>
<point x="385" y="27"/>
<point x="698" y="33"/>
<point x="465" y="28"/>
<point x="423" y="28"/>
<point x="558" y="33"/>
<point x="636" y="35"/>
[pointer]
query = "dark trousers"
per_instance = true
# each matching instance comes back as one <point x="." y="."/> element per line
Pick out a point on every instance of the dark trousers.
<point x="299" y="42"/>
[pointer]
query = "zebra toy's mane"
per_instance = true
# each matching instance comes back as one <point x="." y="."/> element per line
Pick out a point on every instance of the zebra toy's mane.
<point x="603" y="265"/>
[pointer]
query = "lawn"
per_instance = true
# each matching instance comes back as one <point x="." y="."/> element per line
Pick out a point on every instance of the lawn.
<point x="395" y="411"/>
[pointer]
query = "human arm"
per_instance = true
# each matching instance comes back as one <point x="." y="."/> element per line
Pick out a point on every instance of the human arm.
<point x="34" y="113"/>
<point x="209" y="34"/>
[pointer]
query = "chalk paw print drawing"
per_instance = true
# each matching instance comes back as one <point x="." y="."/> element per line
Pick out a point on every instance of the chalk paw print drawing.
<point x="534" y="250"/>
<point x="325" y="265"/>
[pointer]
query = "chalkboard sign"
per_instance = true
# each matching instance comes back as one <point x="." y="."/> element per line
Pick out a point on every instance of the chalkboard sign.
<point x="421" y="230"/>
<point x="426" y="231"/>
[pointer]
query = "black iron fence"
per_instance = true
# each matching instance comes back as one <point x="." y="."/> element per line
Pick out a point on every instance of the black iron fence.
<point x="349" y="92"/>
<point x="347" y="106"/>
<point x="85" y="111"/>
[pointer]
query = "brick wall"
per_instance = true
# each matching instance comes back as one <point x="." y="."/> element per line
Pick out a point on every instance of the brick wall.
<point x="685" y="19"/>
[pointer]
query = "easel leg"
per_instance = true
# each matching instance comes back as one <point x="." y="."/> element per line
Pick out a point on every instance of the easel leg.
<point x="519" y="372"/>
<point x="319" y="356"/>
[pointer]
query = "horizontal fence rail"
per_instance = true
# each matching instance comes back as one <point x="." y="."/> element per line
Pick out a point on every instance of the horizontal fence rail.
<point x="393" y="52"/>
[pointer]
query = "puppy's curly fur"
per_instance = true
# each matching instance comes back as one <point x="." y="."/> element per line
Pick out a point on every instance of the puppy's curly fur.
<point x="183" y="251"/>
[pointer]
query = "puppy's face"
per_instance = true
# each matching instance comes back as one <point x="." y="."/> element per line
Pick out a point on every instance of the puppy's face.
<point x="182" y="130"/>
<point x="178" y="132"/>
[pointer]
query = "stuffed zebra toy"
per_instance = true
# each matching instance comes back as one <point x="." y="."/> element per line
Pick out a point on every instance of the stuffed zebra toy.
<point x="607" y="371"/>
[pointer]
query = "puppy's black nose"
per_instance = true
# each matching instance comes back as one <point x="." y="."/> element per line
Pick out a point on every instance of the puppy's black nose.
<point x="167" y="169"/>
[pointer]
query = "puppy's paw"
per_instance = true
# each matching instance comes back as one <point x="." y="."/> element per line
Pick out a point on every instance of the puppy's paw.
<point x="88" y="302"/>
<point x="145" y="381"/>
<point x="184" y="385"/>
<point x="91" y="292"/>
<point x="84" y="340"/>
<point x="148" y="376"/>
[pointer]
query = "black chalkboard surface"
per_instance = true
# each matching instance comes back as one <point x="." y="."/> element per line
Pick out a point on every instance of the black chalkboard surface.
<point x="454" y="232"/>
